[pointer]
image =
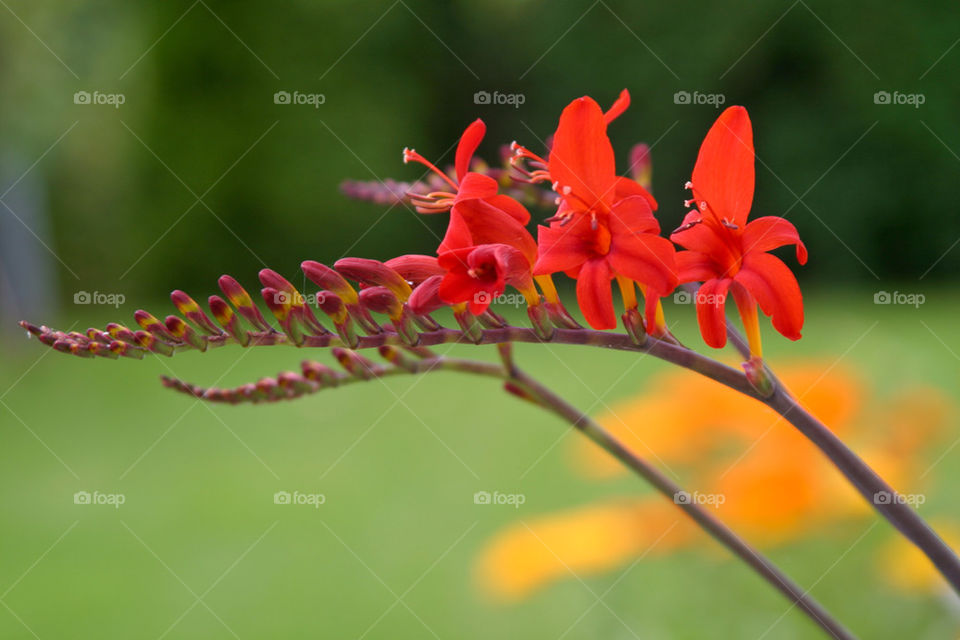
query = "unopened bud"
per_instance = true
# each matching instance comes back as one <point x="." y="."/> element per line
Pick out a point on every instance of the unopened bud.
<point x="374" y="273"/>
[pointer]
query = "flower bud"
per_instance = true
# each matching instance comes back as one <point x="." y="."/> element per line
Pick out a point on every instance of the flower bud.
<point x="415" y="268"/>
<point x="336" y="310"/>
<point x="151" y="343"/>
<point x="240" y="299"/>
<point x="355" y="364"/>
<point x="184" y="332"/>
<point x="471" y="327"/>
<point x="320" y="373"/>
<point x="758" y="376"/>
<point x="280" y="306"/>
<point x="633" y="323"/>
<point x="151" y="324"/>
<point x="374" y="273"/>
<point x="126" y="350"/>
<point x="381" y="300"/>
<point x="326" y="278"/>
<point x="540" y="319"/>
<point x="189" y="308"/>
<point x="228" y="320"/>
<point x="426" y="297"/>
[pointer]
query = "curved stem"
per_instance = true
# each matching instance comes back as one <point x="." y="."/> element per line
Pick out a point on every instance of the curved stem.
<point x="719" y="531"/>
<point x="871" y="486"/>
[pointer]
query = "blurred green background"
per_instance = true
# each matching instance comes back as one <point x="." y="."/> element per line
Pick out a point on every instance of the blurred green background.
<point x="199" y="172"/>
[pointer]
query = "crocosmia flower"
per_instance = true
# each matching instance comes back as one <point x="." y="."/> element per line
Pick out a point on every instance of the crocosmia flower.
<point x="604" y="226"/>
<point x="728" y="254"/>
<point x="478" y="275"/>
<point x="478" y="213"/>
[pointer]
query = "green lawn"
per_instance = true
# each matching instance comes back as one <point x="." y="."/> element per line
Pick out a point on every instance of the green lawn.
<point x="199" y="548"/>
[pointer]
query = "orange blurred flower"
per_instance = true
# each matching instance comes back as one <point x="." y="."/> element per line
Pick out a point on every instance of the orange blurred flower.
<point x="764" y="479"/>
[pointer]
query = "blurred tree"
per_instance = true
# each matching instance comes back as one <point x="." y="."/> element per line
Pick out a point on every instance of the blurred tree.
<point x="200" y="172"/>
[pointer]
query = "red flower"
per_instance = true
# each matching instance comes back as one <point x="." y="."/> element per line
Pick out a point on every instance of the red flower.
<point x="727" y="253"/>
<point x="478" y="275"/>
<point x="604" y="226"/>
<point x="478" y="213"/>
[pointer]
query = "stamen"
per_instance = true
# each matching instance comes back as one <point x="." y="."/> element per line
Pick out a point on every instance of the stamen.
<point x="522" y="152"/>
<point x="687" y="226"/>
<point x="411" y="154"/>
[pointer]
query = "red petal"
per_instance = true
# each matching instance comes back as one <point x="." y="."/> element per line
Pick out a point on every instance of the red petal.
<point x="627" y="187"/>
<point x="511" y="265"/>
<point x="711" y="300"/>
<point x="633" y="213"/>
<point x="774" y="286"/>
<point x="476" y="185"/>
<point x="457" y="235"/>
<point x="469" y="142"/>
<point x="457" y="286"/>
<point x="581" y="157"/>
<point x="704" y="238"/>
<point x="563" y="248"/>
<point x="646" y="258"/>
<point x="693" y="266"/>
<point x="594" y="295"/>
<point x="490" y="225"/>
<point x="724" y="173"/>
<point x="456" y="259"/>
<point x="618" y="107"/>
<point x="770" y="232"/>
<point x="510" y="206"/>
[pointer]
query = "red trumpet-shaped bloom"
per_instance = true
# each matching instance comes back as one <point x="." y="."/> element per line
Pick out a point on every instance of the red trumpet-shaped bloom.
<point x="729" y="254"/>
<point x="478" y="213"/>
<point x="604" y="226"/>
<point x="477" y="275"/>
